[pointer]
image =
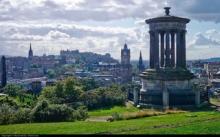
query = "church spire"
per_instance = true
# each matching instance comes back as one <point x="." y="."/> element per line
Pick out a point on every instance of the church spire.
<point x="141" y="66"/>
<point x="125" y="46"/>
<point x="30" y="47"/>
<point x="140" y="58"/>
<point x="30" y="55"/>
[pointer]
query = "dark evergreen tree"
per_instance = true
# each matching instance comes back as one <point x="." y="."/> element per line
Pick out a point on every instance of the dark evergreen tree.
<point x="4" y="77"/>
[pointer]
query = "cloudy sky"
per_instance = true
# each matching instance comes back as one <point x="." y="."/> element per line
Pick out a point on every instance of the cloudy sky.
<point x="102" y="26"/>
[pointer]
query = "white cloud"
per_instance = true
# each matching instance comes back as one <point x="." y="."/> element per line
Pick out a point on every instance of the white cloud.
<point x="78" y="10"/>
<point x="201" y="40"/>
<point x="202" y="10"/>
<point x="204" y="45"/>
<point x="56" y="24"/>
<point x="55" y="35"/>
<point x="51" y="38"/>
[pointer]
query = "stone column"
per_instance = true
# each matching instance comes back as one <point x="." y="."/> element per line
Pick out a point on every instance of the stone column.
<point x="167" y="51"/>
<point x="151" y="49"/>
<point x="172" y="49"/>
<point x="135" y="96"/>
<point x="197" y="98"/>
<point x="183" y="48"/>
<point x="178" y="50"/>
<point x="162" y="49"/>
<point x="156" y="51"/>
<point x="144" y="85"/>
<point x="165" y="97"/>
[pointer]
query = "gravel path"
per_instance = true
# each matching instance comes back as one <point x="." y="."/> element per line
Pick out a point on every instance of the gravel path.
<point x="99" y="119"/>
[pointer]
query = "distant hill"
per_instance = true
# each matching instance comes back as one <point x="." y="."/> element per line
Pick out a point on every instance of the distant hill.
<point x="217" y="59"/>
<point x="213" y="59"/>
<point x="88" y="58"/>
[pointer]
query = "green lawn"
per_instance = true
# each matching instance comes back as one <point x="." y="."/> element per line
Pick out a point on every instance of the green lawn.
<point x="204" y="122"/>
<point x="109" y="111"/>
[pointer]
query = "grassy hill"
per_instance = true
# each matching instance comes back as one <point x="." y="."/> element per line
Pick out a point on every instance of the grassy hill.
<point x="198" y="122"/>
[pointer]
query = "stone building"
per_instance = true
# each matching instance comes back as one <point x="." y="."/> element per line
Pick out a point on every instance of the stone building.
<point x="212" y="68"/>
<point x="168" y="83"/>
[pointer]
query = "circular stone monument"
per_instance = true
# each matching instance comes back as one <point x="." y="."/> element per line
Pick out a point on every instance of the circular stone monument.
<point x="167" y="82"/>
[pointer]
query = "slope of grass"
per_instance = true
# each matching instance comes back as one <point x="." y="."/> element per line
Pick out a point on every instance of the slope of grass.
<point x="117" y="109"/>
<point x="205" y="122"/>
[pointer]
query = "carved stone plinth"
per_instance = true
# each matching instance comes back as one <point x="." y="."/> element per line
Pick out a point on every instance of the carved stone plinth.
<point x="167" y="88"/>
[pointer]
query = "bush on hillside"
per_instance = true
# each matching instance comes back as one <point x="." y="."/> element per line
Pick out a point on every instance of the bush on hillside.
<point x="11" y="112"/>
<point x="22" y="115"/>
<point x="12" y="89"/>
<point x="67" y="91"/>
<point x="7" y="114"/>
<point x="104" y="97"/>
<point x="9" y="101"/>
<point x="81" y="113"/>
<point x="45" y="112"/>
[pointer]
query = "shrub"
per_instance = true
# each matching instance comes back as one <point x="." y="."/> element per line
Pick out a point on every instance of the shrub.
<point x="12" y="89"/>
<point x="66" y="91"/>
<point x="45" y="112"/>
<point x="40" y="112"/>
<point x="9" y="101"/>
<point x="7" y="114"/>
<point x="104" y="97"/>
<point x="11" y="114"/>
<point x="88" y="84"/>
<point x="81" y="113"/>
<point x="59" y="113"/>
<point x="23" y="115"/>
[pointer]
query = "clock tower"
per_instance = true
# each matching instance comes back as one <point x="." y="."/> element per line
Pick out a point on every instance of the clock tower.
<point x="125" y="55"/>
<point x="126" y="68"/>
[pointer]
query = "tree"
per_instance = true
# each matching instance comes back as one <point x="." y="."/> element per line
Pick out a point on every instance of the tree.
<point x="12" y="89"/>
<point x="45" y="112"/>
<point x="51" y="73"/>
<point x="48" y="92"/>
<point x="67" y="91"/>
<point x="7" y="114"/>
<point x="104" y="97"/>
<point x="72" y="90"/>
<point x="59" y="91"/>
<point x="89" y="84"/>
<point x="4" y="73"/>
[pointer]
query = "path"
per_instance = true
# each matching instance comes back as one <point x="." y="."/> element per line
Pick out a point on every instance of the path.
<point x="99" y="119"/>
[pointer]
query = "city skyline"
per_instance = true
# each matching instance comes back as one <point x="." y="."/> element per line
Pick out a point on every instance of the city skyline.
<point x="102" y="27"/>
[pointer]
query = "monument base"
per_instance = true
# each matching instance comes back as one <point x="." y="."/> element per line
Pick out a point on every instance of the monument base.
<point x="168" y="88"/>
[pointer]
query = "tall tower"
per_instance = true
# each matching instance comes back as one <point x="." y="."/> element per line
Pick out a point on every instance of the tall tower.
<point x="125" y="55"/>
<point x="4" y="75"/>
<point x="126" y="68"/>
<point x="30" y="54"/>
<point x="141" y="64"/>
